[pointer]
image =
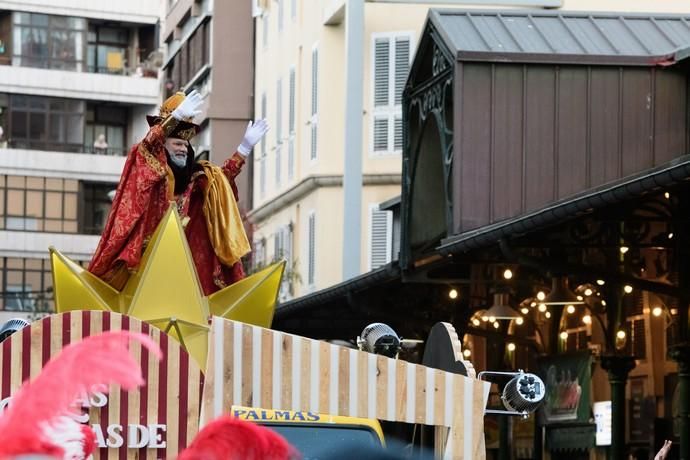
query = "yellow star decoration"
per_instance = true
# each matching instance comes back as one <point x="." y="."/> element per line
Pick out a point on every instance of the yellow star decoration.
<point x="165" y="291"/>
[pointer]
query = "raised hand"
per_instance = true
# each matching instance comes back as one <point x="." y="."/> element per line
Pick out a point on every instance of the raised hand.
<point x="189" y="108"/>
<point x="255" y="131"/>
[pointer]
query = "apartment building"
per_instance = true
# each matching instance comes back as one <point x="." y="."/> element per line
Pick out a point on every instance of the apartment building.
<point x="76" y="81"/>
<point x="208" y="46"/>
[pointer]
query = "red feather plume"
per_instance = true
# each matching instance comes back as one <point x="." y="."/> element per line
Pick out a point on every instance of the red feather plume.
<point x="228" y="438"/>
<point x="95" y="361"/>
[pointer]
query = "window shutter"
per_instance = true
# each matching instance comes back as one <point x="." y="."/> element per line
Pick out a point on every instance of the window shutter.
<point x="262" y="176"/>
<point x="313" y="141"/>
<point x="380" y="134"/>
<point x="381" y="71"/>
<point x="291" y="158"/>
<point x="314" y="81"/>
<point x="402" y="66"/>
<point x="279" y="111"/>
<point x="381" y="235"/>
<point x="264" y="26"/>
<point x="263" y="115"/>
<point x="291" y="108"/>
<point x="398" y="135"/>
<point x="280" y="15"/>
<point x="311" y="249"/>
<point x="278" y="161"/>
<point x="294" y="9"/>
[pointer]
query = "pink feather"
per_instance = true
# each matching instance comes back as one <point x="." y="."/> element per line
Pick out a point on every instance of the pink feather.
<point x="95" y="361"/>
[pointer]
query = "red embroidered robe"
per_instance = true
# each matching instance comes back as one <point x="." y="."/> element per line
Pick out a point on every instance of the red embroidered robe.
<point x="142" y="199"/>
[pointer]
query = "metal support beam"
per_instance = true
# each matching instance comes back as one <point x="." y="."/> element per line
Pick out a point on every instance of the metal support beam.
<point x="618" y="368"/>
<point x="352" y="179"/>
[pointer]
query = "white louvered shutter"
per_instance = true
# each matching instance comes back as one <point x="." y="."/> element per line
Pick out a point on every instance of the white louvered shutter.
<point x="314" y="102"/>
<point x="391" y="66"/>
<point x="311" y="249"/>
<point x="380" y="237"/>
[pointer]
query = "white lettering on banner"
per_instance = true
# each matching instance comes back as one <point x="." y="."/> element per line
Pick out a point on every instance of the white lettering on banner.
<point x="135" y="436"/>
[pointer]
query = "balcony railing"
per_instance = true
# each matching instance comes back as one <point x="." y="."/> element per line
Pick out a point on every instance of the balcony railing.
<point x="63" y="147"/>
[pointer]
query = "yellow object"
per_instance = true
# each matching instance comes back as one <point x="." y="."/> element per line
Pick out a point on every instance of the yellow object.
<point x="165" y="291"/>
<point x="171" y="104"/>
<point x="114" y="60"/>
<point x="268" y="416"/>
<point x="223" y="220"/>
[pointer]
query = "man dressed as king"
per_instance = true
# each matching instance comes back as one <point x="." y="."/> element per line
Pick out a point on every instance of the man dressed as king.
<point x="162" y="169"/>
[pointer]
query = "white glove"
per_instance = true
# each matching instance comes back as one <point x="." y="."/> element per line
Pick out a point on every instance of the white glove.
<point x="189" y="107"/>
<point x="255" y="131"/>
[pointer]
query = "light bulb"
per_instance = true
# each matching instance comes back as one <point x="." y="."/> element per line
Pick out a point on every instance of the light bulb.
<point x="541" y="295"/>
<point x="519" y="321"/>
<point x="524" y="311"/>
<point x="476" y="322"/>
<point x="624" y="249"/>
<point x="603" y="303"/>
<point x="588" y="292"/>
<point x="485" y="318"/>
<point x="511" y="347"/>
<point x="496" y="324"/>
<point x="466" y="353"/>
<point x="453" y="293"/>
<point x="492" y="319"/>
<point x="547" y="314"/>
<point x="533" y="304"/>
<point x="564" y="335"/>
<point x="667" y="195"/>
<point x="656" y="311"/>
<point x="580" y="298"/>
<point x="507" y="273"/>
<point x="620" y="334"/>
<point x="601" y="282"/>
<point x="587" y="319"/>
<point x="670" y="235"/>
<point x="542" y="307"/>
<point x="628" y="289"/>
<point x="570" y="309"/>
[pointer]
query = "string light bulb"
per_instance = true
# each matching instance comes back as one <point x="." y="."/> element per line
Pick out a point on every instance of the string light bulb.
<point x="541" y="295"/>
<point x="570" y="309"/>
<point x="628" y="289"/>
<point x="519" y="321"/>
<point x="466" y="352"/>
<point x="601" y="282"/>
<point x="564" y="335"/>
<point x="542" y="307"/>
<point x="588" y="292"/>
<point x="587" y="319"/>
<point x="453" y="293"/>
<point x="476" y="322"/>
<point x="496" y="325"/>
<point x="656" y="311"/>
<point x="547" y="314"/>
<point x="507" y="273"/>
<point x="624" y="249"/>
<point x="524" y="311"/>
<point x="511" y="347"/>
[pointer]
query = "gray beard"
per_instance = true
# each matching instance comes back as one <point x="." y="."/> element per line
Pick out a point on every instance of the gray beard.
<point x="180" y="162"/>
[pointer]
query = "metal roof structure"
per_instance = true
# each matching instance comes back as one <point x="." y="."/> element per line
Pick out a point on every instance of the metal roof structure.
<point x="546" y="36"/>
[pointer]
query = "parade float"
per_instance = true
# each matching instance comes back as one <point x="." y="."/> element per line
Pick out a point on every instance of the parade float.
<point x="219" y="352"/>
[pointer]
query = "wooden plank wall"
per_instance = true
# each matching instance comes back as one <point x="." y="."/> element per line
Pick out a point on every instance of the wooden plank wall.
<point x="252" y="366"/>
<point x="528" y="135"/>
<point x="171" y="396"/>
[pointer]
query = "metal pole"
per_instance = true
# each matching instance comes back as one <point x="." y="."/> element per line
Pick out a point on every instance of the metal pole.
<point x="352" y="179"/>
<point x="618" y="367"/>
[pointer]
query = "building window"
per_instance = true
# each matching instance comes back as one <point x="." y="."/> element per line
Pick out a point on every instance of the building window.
<point x="314" y="102"/>
<point x="391" y="64"/>
<point x="51" y="42"/>
<point x="283" y="251"/>
<point x="26" y="285"/>
<point x="280" y="15"/>
<point x="189" y="60"/>
<point x="95" y="206"/>
<point x="38" y="204"/>
<point x="291" y="125"/>
<point x="262" y="158"/>
<point x="264" y="29"/>
<point x="107" y="124"/>
<point x="293" y="10"/>
<point x="380" y="236"/>
<point x="46" y="123"/>
<point x="311" y="250"/>
<point x="107" y="51"/>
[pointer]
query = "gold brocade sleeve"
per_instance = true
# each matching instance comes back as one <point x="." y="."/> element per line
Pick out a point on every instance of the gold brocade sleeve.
<point x="223" y="220"/>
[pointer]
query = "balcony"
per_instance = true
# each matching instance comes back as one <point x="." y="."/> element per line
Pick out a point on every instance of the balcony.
<point x="67" y="84"/>
<point x="99" y="168"/>
<point x="136" y="11"/>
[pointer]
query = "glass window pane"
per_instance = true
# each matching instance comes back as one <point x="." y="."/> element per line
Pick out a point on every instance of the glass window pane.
<point x="53" y="184"/>
<point x="15" y="181"/>
<point x="54" y="205"/>
<point x="69" y="226"/>
<point x="34" y="204"/>
<point x="39" y="19"/>
<point x="70" y="205"/>
<point x="20" y="128"/>
<point x="33" y="264"/>
<point x="71" y="185"/>
<point x="2" y="202"/>
<point x="13" y="262"/>
<point x="35" y="183"/>
<point x="57" y="104"/>
<point x="53" y="226"/>
<point x="75" y="129"/>
<point x="15" y="202"/>
<point x="37" y="126"/>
